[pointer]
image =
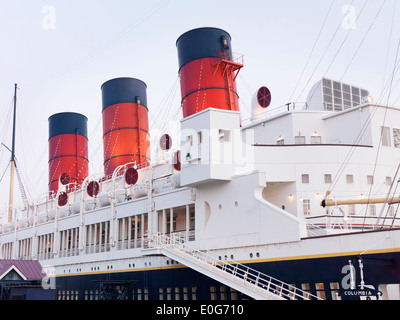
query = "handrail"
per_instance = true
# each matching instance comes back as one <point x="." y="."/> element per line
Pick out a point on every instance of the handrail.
<point x="250" y="277"/>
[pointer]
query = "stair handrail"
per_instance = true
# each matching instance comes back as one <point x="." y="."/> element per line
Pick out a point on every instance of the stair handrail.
<point x="248" y="275"/>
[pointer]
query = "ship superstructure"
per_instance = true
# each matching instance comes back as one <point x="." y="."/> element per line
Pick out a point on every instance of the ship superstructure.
<point x="237" y="209"/>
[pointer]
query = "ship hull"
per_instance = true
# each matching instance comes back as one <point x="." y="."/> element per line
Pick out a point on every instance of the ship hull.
<point x="325" y="277"/>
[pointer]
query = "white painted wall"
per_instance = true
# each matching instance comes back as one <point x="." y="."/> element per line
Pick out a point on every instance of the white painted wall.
<point x="234" y="213"/>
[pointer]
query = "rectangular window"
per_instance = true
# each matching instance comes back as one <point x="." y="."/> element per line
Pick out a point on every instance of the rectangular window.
<point x="328" y="98"/>
<point x="370" y="179"/>
<point x="334" y="289"/>
<point x="385" y="136"/>
<point x="364" y="94"/>
<point x="190" y="140"/>
<point x="222" y="291"/>
<point x="388" y="181"/>
<point x="300" y="140"/>
<point x="352" y="209"/>
<point x="372" y="210"/>
<point x="177" y="293"/>
<point x="194" y="293"/>
<point x="213" y="293"/>
<point x="355" y="96"/>
<point x="349" y="178"/>
<point x="305" y="178"/>
<point x="328" y="178"/>
<point x="306" y="207"/>
<point x="234" y="295"/>
<point x="315" y="139"/>
<point x="306" y="288"/>
<point x="224" y="135"/>
<point x="390" y="211"/>
<point x="396" y="138"/>
<point x="319" y="287"/>
<point x="327" y="83"/>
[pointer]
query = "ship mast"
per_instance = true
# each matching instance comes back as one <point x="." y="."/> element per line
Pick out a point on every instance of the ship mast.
<point x="11" y="198"/>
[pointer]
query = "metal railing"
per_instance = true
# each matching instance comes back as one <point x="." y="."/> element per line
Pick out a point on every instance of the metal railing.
<point x="332" y="224"/>
<point x="248" y="277"/>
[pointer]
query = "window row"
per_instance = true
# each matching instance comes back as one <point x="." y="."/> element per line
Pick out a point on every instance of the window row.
<point x="305" y="178"/>
<point x="325" y="291"/>
<point x="314" y="139"/>
<point x="386" y="139"/>
<point x="129" y="293"/>
<point x="351" y="209"/>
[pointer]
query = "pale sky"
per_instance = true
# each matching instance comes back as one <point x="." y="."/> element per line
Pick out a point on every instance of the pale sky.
<point x="61" y="52"/>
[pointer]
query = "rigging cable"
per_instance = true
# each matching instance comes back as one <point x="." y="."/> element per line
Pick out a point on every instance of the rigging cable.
<point x="357" y="140"/>
<point x="336" y="54"/>
<point x="7" y="121"/>
<point x="363" y="39"/>
<point x="390" y="40"/>
<point x="104" y="46"/>
<point x="381" y="135"/>
<point x="2" y="176"/>
<point x="312" y="50"/>
<point x="387" y="197"/>
<point x="323" y="55"/>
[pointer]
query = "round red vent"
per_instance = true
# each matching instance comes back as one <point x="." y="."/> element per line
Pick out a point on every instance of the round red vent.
<point x="62" y="199"/>
<point x="65" y="178"/>
<point x="165" y="142"/>
<point x="131" y="176"/>
<point x="93" y="188"/>
<point x="264" y="97"/>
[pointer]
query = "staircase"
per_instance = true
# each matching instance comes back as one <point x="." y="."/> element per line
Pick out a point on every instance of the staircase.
<point x="233" y="274"/>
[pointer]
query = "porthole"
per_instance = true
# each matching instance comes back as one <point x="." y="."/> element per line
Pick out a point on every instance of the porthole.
<point x="251" y="255"/>
<point x="236" y="203"/>
<point x="258" y="254"/>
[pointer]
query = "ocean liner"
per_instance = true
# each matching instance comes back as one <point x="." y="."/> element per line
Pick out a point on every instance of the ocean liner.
<point x="297" y="203"/>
